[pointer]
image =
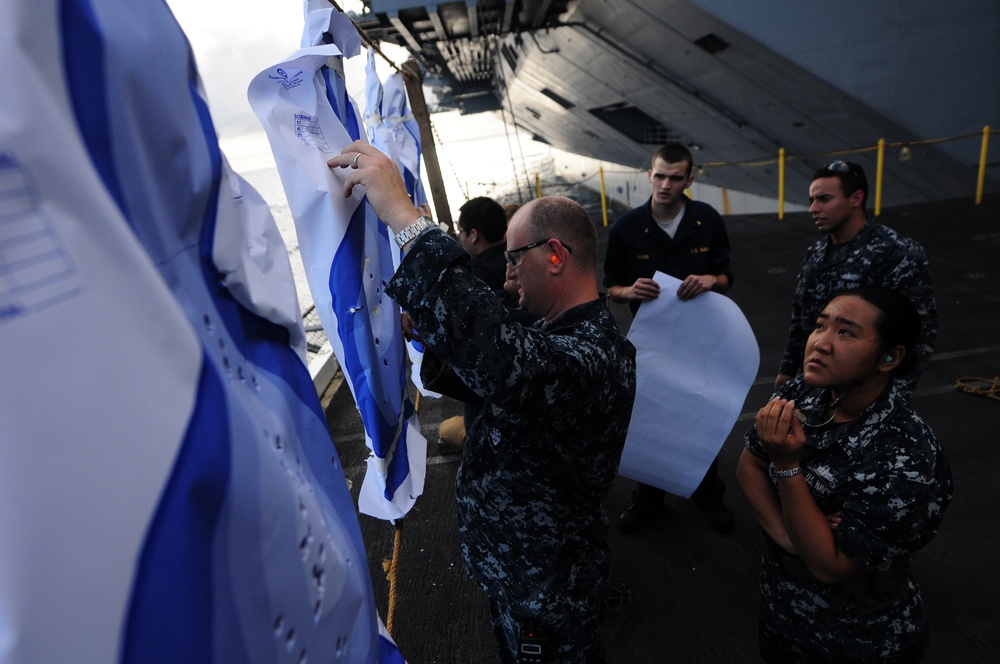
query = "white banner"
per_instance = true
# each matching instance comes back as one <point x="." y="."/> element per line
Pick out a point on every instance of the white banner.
<point x="695" y="363"/>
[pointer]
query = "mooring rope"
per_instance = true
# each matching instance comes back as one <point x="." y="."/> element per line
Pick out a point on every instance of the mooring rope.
<point x="986" y="387"/>
<point x="391" y="569"/>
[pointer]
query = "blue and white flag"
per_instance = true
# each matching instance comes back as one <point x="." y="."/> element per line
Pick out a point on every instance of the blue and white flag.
<point x="309" y="117"/>
<point x="388" y="131"/>
<point x="170" y="492"/>
<point x="392" y="127"/>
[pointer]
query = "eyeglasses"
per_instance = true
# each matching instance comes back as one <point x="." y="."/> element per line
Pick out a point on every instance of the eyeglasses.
<point x="514" y="256"/>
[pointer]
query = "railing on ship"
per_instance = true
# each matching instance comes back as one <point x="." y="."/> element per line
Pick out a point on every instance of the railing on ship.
<point x="782" y="158"/>
<point x="321" y="361"/>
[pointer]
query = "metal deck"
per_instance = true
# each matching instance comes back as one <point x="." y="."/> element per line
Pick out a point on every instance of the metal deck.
<point x="688" y="593"/>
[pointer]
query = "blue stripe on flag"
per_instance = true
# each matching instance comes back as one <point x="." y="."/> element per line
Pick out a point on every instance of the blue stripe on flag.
<point x="172" y="592"/>
<point x="361" y="358"/>
<point x="83" y="59"/>
<point x="388" y="652"/>
<point x="369" y="375"/>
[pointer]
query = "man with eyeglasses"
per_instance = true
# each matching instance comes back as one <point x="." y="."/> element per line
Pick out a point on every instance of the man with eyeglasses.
<point x="686" y="239"/>
<point x="555" y="403"/>
<point x="856" y="251"/>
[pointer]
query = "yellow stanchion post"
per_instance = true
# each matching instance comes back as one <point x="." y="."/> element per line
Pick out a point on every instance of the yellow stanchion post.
<point x="781" y="183"/>
<point x="878" y="176"/>
<point x="538" y="186"/>
<point x="604" y="199"/>
<point x="981" y="180"/>
<point x="725" y="201"/>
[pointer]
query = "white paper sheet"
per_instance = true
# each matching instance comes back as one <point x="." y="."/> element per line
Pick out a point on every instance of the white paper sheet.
<point x="695" y="363"/>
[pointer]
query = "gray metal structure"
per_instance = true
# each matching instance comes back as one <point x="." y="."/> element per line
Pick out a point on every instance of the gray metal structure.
<point x="611" y="79"/>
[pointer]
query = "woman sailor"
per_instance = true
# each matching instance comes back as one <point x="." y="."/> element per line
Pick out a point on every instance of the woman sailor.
<point x="847" y="482"/>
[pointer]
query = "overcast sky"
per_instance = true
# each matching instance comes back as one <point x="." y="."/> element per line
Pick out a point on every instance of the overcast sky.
<point x="235" y="41"/>
<point x="232" y="43"/>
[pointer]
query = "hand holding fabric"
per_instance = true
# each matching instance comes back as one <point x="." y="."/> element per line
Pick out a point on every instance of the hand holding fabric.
<point x="383" y="184"/>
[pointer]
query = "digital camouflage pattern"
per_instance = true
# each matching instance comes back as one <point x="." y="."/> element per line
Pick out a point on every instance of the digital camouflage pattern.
<point x="887" y="474"/>
<point x="544" y="449"/>
<point x="877" y="256"/>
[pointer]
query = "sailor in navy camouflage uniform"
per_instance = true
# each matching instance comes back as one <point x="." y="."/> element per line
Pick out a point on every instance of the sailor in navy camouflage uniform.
<point x="556" y="400"/>
<point x="880" y="481"/>
<point x="856" y="252"/>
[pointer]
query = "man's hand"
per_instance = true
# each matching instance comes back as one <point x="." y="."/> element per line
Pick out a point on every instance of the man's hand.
<point x="383" y="184"/>
<point x="643" y="289"/>
<point x="406" y="324"/>
<point x="696" y="284"/>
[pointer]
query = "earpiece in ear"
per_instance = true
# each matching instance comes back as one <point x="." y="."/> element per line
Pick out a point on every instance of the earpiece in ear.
<point x="888" y="358"/>
<point x="554" y="259"/>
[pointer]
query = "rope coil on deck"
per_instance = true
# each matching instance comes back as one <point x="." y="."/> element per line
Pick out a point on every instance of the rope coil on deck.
<point x="986" y="387"/>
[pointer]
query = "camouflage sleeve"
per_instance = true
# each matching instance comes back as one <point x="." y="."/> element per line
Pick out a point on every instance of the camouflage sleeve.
<point x="898" y="508"/>
<point x="465" y="325"/>
<point x="753" y="445"/>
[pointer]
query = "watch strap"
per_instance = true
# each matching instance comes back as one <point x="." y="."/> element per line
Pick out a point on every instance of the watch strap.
<point x="413" y="230"/>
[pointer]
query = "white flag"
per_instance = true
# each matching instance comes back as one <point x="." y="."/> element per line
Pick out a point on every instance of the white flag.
<point x="348" y="255"/>
<point x="170" y="489"/>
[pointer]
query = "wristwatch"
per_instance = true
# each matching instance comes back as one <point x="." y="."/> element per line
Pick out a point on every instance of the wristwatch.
<point x="413" y="230"/>
<point x="791" y="472"/>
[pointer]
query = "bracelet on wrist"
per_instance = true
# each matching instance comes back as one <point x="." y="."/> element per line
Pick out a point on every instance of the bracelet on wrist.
<point x="791" y="472"/>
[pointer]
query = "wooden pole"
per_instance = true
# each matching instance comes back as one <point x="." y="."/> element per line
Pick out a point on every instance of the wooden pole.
<point x="415" y="91"/>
